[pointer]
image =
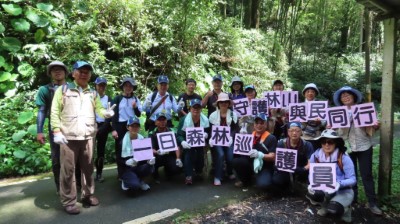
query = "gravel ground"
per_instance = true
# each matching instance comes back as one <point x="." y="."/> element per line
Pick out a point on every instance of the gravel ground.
<point x="293" y="209"/>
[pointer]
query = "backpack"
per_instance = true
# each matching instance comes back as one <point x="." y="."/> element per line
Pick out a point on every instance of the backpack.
<point x="153" y="97"/>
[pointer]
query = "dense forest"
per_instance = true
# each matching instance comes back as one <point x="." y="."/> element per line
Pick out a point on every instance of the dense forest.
<point x="320" y="41"/>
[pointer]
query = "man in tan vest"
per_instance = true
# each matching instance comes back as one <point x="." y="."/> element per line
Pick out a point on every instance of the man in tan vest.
<point x="74" y="127"/>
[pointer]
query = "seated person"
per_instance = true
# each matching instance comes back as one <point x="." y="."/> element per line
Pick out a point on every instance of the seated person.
<point x="133" y="171"/>
<point x="261" y="159"/>
<point x="171" y="161"/>
<point x="338" y="202"/>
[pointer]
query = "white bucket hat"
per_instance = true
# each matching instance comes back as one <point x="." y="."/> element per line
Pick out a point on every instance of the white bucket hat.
<point x="311" y="86"/>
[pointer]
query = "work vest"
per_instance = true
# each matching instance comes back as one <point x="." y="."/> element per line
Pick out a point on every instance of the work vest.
<point x="78" y="117"/>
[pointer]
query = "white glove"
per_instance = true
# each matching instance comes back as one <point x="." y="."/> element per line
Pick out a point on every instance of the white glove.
<point x="253" y="153"/>
<point x="152" y="161"/>
<point x="210" y="143"/>
<point x="331" y="191"/>
<point x="131" y="162"/>
<point x="181" y="104"/>
<point x="230" y="141"/>
<point x="205" y="135"/>
<point x="59" y="138"/>
<point x="110" y="111"/>
<point x="161" y="152"/>
<point x="179" y="163"/>
<point x="185" y="145"/>
<point x="243" y="130"/>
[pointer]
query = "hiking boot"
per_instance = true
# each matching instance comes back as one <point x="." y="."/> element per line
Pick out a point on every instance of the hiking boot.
<point x="188" y="180"/>
<point x="90" y="200"/>
<point x="346" y="217"/>
<point x="374" y="209"/>
<point x="144" y="186"/>
<point x="312" y="201"/>
<point x="72" y="209"/>
<point x="217" y="182"/>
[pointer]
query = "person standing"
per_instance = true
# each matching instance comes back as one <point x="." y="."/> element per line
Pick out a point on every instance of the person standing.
<point x="211" y="96"/>
<point x="160" y="101"/>
<point x="187" y="96"/>
<point x="74" y="126"/>
<point x="103" y="128"/>
<point x="278" y="116"/>
<point x="224" y="116"/>
<point x="359" y="140"/>
<point x="193" y="156"/>
<point x="237" y="91"/>
<point x="127" y="105"/>
<point x="58" y="72"/>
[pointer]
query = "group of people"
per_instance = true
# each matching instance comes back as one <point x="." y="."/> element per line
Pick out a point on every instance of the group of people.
<point x="81" y="117"/>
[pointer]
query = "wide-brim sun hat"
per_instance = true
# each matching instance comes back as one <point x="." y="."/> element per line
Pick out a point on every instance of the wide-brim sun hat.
<point x="331" y="134"/>
<point x="223" y="97"/>
<point x="56" y="63"/>
<point x="356" y="93"/>
<point x="236" y="79"/>
<point x="311" y="86"/>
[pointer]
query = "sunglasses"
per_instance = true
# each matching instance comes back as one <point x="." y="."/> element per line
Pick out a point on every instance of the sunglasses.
<point x="328" y="141"/>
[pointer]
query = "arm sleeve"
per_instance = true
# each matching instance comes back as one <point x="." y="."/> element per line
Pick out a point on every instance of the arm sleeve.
<point x="56" y="107"/>
<point x="181" y="135"/>
<point x="138" y="110"/>
<point x="349" y="173"/>
<point x="114" y="119"/>
<point x="41" y="116"/>
<point x="100" y="110"/>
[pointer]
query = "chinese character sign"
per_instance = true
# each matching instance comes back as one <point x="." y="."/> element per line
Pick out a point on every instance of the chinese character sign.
<point x="286" y="159"/>
<point x="364" y="114"/>
<point x="242" y="107"/>
<point x="316" y="110"/>
<point x="142" y="149"/>
<point x="195" y="137"/>
<point x="337" y="117"/>
<point x="274" y="99"/>
<point x="220" y="135"/>
<point x="243" y="144"/>
<point x="259" y="106"/>
<point x="167" y="141"/>
<point x="288" y="97"/>
<point x="298" y="112"/>
<point x="322" y="176"/>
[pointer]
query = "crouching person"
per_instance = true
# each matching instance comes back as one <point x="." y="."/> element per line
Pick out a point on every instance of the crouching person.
<point x="338" y="202"/>
<point x="133" y="171"/>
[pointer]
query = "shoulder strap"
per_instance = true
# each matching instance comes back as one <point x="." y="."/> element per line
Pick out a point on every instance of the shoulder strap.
<point x="153" y="97"/>
<point x="340" y="161"/>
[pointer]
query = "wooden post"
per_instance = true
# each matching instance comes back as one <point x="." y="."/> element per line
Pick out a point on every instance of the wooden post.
<point x="367" y="48"/>
<point x="386" y="135"/>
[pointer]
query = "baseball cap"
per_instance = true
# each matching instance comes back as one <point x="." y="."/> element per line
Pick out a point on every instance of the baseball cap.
<point x="128" y="79"/>
<point x="195" y="102"/>
<point x="249" y="87"/>
<point x="81" y="64"/>
<point x="161" y="114"/>
<point x="217" y="77"/>
<point x="100" y="80"/>
<point x="261" y="116"/>
<point x="294" y="124"/>
<point x="162" y="79"/>
<point x="133" y="120"/>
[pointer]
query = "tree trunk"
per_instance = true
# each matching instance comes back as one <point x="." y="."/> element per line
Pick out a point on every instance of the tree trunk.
<point x="255" y="11"/>
<point x="367" y="47"/>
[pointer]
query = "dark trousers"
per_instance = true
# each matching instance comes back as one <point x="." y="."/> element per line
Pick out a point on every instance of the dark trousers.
<point x="168" y="162"/>
<point x="55" y="163"/>
<point x="121" y="130"/>
<point x="363" y="161"/>
<point x="193" y="157"/>
<point x="101" y="141"/>
<point x="243" y="165"/>
<point x="132" y="176"/>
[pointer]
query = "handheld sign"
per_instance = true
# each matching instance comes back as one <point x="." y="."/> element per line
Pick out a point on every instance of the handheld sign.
<point x="243" y="144"/>
<point x="286" y="159"/>
<point x="364" y="115"/>
<point x="142" y="149"/>
<point x="323" y="176"/>
<point x="220" y="135"/>
<point x="195" y="137"/>
<point x="167" y="141"/>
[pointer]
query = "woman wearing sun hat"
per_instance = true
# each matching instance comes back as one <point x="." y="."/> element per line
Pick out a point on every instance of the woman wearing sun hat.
<point x="359" y="140"/>
<point x="337" y="202"/>
<point x="223" y="116"/>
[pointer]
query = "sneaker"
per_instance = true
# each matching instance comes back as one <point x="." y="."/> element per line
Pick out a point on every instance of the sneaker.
<point x="312" y="201"/>
<point x="123" y="186"/>
<point x="90" y="200"/>
<point x="188" y="180"/>
<point x="238" y="183"/>
<point x="346" y="217"/>
<point x="374" y="209"/>
<point x="72" y="209"/>
<point x="322" y="212"/>
<point x="232" y="177"/>
<point x="99" y="178"/>
<point x="217" y="182"/>
<point x="144" y="186"/>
